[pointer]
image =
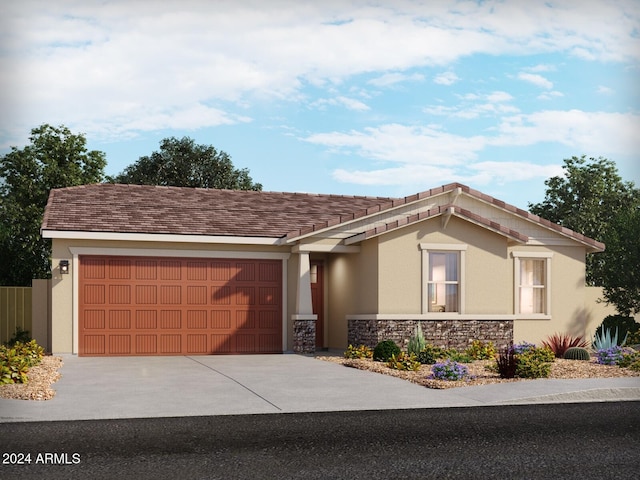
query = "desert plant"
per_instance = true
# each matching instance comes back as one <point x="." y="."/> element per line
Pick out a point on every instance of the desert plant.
<point x="481" y="351"/>
<point x="521" y="347"/>
<point x="449" y="370"/>
<point x="384" y="350"/>
<point x="630" y="360"/>
<point x="559" y="343"/>
<point x="506" y="363"/>
<point x="610" y="356"/>
<point x="604" y="340"/>
<point x="534" y="363"/>
<point x="624" y="324"/>
<point x="416" y="342"/>
<point x="361" y="351"/>
<point x="576" y="353"/>
<point x="430" y="354"/>
<point x="456" y="356"/>
<point x="404" y="361"/>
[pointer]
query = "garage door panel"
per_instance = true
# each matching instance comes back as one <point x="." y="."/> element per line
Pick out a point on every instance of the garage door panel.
<point x="214" y="306"/>
<point x="119" y="319"/>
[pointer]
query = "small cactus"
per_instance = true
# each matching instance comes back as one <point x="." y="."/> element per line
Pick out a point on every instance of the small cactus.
<point x="577" y="353"/>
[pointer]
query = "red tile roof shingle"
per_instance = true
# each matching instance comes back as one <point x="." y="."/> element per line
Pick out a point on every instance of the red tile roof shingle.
<point x="193" y="211"/>
<point x="210" y="212"/>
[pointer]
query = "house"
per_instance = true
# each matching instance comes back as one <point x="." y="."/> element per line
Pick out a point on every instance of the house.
<point x="147" y="270"/>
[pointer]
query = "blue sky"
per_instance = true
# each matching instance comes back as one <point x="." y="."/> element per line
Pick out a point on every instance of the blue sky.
<point x="346" y="97"/>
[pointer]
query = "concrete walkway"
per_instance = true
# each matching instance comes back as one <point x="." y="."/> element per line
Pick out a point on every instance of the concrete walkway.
<point x="139" y="387"/>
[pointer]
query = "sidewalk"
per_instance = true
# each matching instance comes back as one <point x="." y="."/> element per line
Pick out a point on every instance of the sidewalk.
<point x="139" y="387"/>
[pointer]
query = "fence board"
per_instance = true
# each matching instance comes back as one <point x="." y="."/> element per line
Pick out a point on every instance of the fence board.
<point x="15" y="311"/>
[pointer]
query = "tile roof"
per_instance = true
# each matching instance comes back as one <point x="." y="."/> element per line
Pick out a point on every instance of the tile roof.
<point x="211" y="212"/>
<point x="193" y="211"/>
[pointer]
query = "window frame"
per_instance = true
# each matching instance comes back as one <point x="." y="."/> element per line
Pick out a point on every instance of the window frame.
<point x="518" y="257"/>
<point x="460" y="249"/>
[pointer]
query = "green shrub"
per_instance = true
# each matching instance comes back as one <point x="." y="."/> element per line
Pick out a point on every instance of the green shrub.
<point x="416" y="342"/>
<point x="631" y="361"/>
<point x="21" y="335"/>
<point x="456" y="356"/>
<point x="524" y="360"/>
<point x="481" y="351"/>
<point x="576" y="353"/>
<point x="534" y="363"/>
<point x="31" y="351"/>
<point x="13" y="366"/>
<point x="404" y="361"/>
<point x="361" y="351"/>
<point x="430" y="354"/>
<point x="384" y="350"/>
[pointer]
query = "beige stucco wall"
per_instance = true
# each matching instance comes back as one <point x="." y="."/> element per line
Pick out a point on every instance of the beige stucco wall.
<point x="488" y="271"/>
<point x="567" y="297"/>
<point x="352" y="287"/>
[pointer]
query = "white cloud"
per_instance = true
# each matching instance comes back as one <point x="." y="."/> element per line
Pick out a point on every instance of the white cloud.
<point x="114" y="63"/>
<point x="591" y="132"/>
<point x="538" y="80"/>
<point x="389" y="79"/>
<point x="349" y="103"/>
<point x="446" y="78"/>
<point x="405" y="144"/>
<point x="602" y="90"/>
<point x="429" y="153"/>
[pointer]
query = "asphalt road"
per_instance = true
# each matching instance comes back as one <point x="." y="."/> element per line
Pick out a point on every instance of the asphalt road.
<point x="562" y="441"/>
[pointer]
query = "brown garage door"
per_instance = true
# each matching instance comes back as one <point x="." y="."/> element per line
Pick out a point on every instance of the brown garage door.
<point x="179" y="306"/>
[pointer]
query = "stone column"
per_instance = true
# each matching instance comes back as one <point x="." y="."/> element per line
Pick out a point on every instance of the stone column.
<point x="304" y="321"/>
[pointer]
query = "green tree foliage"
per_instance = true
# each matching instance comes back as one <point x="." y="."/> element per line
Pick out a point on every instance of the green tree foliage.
<point x="55" y="158"/>
<point x="586" y="199"/>
<point x="621" y="262"/>
<point x="183" y="163"/>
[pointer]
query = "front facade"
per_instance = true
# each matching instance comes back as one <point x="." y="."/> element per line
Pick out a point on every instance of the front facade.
<point x="178" y="271"/>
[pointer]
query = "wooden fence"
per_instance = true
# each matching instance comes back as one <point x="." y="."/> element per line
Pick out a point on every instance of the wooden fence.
<point x="15" y="311"/>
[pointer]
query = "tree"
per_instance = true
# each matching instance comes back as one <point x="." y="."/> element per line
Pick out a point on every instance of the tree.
<point x="621" y="262"/>
<point x="55" y="158"/>
<point x="585" y="200"/>
<point x="183" y="163"/>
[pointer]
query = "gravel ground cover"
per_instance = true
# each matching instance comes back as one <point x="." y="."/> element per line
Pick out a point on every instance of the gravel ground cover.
<point x="480" y="375"/>
<point x="41" y="378"/>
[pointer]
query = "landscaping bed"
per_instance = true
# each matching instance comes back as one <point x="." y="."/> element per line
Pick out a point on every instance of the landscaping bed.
<point x="480" y="375"/>
<point x="38" y="386"/>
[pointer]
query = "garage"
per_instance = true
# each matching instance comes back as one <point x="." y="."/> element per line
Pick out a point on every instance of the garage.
<point x="178" y="306"/>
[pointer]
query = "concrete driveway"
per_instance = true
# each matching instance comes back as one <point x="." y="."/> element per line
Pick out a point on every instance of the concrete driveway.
<point x="139" y="387"/>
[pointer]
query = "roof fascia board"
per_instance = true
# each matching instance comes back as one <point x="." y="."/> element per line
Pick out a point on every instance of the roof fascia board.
<point x="335" y="225"/>
<point x="311" y="248"/>
<point x="524" y="215"/>
<point x="448" y="212"/>
<point x="160" y="237"/>
<point x="153" y="252"/>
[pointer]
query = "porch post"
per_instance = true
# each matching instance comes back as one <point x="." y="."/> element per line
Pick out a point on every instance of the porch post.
<point x="304" y="321"/>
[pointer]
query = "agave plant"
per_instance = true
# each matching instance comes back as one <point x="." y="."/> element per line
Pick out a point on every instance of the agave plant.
<point x="560" y="343"/>
<point x="605" y="340"/>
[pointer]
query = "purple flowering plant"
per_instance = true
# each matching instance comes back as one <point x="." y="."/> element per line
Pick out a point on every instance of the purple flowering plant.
<point x="522" y="347"/>
<point x="610" y="356"/>
<point x="449" y="370"/>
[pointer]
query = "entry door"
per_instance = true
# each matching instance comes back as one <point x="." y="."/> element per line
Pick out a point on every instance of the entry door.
<point x="317" y="300"/>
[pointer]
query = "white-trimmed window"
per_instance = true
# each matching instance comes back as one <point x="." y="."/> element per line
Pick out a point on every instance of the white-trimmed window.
<point x="532" y="283"/>
<point x="443" y="277"/>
